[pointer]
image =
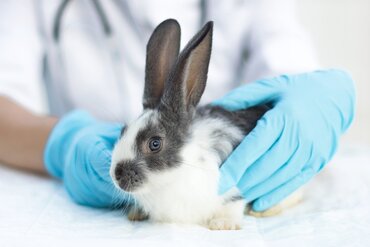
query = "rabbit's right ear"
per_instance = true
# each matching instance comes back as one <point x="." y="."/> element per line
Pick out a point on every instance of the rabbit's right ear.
<point x="162" y="52"/>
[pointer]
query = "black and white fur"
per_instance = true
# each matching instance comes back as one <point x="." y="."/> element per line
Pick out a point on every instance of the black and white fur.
<point x="179" y="182"/>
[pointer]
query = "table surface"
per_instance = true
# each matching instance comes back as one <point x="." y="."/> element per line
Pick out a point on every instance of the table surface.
<point x="335" y="212"/>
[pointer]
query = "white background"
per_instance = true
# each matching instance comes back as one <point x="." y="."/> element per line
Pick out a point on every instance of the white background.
<point x="340" y="30"/>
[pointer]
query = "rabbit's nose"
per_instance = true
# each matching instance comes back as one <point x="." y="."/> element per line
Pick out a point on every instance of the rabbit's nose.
<point x="128" y="176"/>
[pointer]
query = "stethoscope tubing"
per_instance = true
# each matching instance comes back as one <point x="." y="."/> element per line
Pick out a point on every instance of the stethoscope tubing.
<point x="107" y="27"/>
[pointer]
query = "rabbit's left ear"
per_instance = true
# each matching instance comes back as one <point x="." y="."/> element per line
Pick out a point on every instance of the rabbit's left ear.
<point x="161" y="53"/>
<point x="188" y="77"/>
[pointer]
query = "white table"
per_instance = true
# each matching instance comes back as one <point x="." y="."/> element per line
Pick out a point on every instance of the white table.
<point x="36" y="211"/>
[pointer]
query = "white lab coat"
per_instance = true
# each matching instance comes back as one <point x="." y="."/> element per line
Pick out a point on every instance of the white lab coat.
<point x="252" y="39"/>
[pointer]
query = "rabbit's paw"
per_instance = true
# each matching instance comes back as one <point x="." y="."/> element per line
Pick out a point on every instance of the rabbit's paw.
<point x="137" y="214"/>
<point x="224" y="224"/>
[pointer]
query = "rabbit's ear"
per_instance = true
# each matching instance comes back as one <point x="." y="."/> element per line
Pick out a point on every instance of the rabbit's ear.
<point x="162" y="52"/>
<point x="188" y="77"/>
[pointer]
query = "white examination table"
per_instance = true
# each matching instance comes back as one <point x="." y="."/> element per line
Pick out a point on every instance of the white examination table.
<point x="36" y="211"/>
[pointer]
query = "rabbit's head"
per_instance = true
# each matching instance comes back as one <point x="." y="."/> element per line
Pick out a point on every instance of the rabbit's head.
<point x="174" y="84"/>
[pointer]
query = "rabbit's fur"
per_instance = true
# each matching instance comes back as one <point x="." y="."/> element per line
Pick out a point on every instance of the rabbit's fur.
<point x="179" y="181"/>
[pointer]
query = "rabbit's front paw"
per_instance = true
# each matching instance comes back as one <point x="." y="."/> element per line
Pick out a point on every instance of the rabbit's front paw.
<point x="137" y="214"/>
<point x="224" y="224"/>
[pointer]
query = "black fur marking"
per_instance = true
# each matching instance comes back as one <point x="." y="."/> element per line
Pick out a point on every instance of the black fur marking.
<point x="172" y="141"/>
<point x="235" y="198"/>
<point x="245" y="120"/>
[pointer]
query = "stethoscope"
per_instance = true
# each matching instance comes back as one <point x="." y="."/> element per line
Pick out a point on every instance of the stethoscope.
<point x="107" y="27"/>
<point x="56" y="32"/>
<point x="104" y="21"/>
<point x="56" y="53"/>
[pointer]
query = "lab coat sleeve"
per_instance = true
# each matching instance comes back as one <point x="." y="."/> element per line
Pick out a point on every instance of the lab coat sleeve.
<point x="275" y="42"/>
<point x="20" y="55"/>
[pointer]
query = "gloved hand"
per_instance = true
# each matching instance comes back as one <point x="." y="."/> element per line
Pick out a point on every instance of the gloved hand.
<point x="78" y="151"/>
<point x="294" y="140"/>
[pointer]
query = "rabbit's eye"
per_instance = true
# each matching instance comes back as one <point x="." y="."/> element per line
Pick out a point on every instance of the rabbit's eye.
<point x="155" y="144"/>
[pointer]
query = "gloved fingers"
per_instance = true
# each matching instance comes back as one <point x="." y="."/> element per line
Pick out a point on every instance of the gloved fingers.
<point x="99" y="159"/>
<point x="89" y="155"/>
<point x="110" y="133"/>
<point x="256" y="93"/>
<point x="89" y="183"/>
<point x="254" y="145"/>
<point x="276" y="157"/>
<point x="289" y="170"/>
<point x="82" y="183"/>
<point x="99" y="172"/>
<point x="90" y="161"/>
<point x="348" y="104"/>
<point x="61" y="138"/>
<point x="274" y="197"/>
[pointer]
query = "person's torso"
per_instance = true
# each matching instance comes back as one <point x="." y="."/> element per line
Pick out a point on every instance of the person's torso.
<point x="105" y="74"/>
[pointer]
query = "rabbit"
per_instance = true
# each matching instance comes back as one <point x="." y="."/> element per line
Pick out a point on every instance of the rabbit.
<point x="168" y="159"/>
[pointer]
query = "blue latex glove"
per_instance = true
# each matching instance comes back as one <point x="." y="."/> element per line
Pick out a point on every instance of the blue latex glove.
<point x="78" y="151"/>
<point x="294" y="140"/>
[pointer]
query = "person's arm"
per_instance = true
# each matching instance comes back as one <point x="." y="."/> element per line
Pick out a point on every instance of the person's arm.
<point x="76" y="149"/>
<point x="23" y="136"/>
<point x="23" y="132"/>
